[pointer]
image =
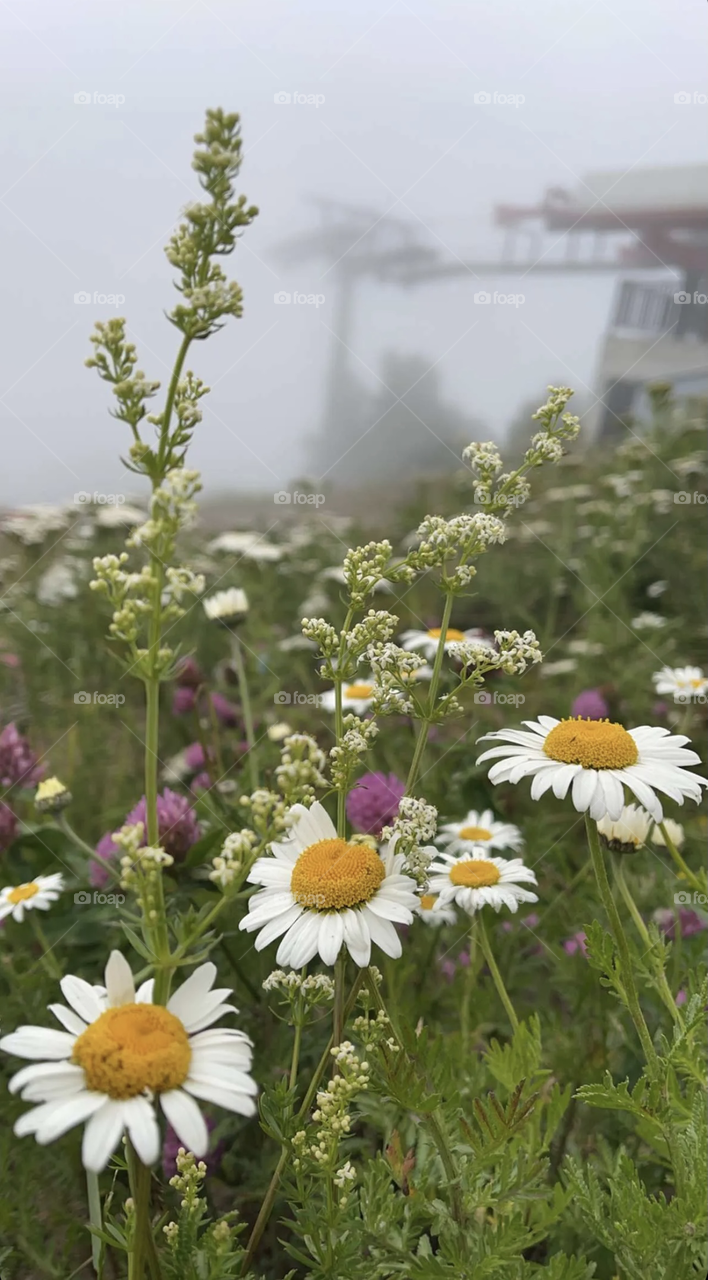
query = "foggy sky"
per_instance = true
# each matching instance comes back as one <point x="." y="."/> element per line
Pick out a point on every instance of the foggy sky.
<point x="90" y="193"/>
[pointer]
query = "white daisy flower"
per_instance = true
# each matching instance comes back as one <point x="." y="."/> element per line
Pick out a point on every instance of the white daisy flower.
<point x="233" y="541"/>
<point x="675" y="832"/>
<point x="479" y="881"/>
<point x="356" y="697"/>
<point x="599" y="759"/>
<point x="119" y="1052"/>
<point x="38" y="894"/>
<point x="226" y="606"/>
<point x="427" y="912"/>
<point x="265" y="551"/>
<point x="629" y="831"/>
<point x="428" y="641"/>
<point x="322" y="893"/>
<point x="683" y="683"/>
<point x="480" y="829"/>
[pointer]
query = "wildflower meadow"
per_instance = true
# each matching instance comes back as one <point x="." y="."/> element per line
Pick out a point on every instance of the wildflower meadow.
<point x="352" y="896"/>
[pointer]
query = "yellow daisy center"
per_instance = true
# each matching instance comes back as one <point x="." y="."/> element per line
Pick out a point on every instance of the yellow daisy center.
<point x="132" y="1048"/>
<point x="475" y="833"/>
<point x="696" y="684"/>
<point x="474" y="873"/>
<point x="451" y="634"/>
<point x="332" y="875"/>
<point x="427" y="901"/>
<point x="23" y="892"/>
<point x="594" y="744"/>
<point x="359" y="690"/>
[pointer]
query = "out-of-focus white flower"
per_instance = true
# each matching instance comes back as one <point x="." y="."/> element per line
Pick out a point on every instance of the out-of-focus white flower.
<point x="627" y="832"/>
<point x="226" y="606"/>
<point x="683" y="683"/>
<point x="648" y="622"/>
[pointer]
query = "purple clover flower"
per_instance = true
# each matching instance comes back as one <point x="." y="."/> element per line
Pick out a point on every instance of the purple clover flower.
<point x="590" y="705"/>
<point x="373" y="802"/>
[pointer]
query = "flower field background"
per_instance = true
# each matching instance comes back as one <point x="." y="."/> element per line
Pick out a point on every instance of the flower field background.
<point x="506" y="994"/>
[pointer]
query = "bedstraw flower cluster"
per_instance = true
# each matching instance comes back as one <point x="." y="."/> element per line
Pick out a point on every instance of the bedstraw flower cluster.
<point x="394" y="671"/>
<point x="266" y="813"/>
<point x="235" y="854"/>
<point x="346" y="756"/>
<point x="189" y="1178"/>
<point x="331" y="1117"/>
<point x="547" y="445"/>
<point x="364" y="566"/>
<point x="374" y="1032"/>
<point x="300" y="995"/>
<point x="415" y="824"/>
<point x="301" y="766"/>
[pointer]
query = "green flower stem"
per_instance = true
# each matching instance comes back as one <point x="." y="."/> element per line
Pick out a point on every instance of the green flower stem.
<point x="49" y="961"/>
<point x="468" y="987"/>
<point x="247" y="713"/>
<point x="434" y="682"/>
<point x="340" y="969"/>
<point x="143" y="1254"/>
<point x="266" y="1208"/>
<point x="169" y="404"/>
<point x="95" y="1216"/>
<point x="339" y="722"/>
<point x="488" y="954"/>
<point x="434" y="1120"/>
<point x="662" y="984"/>
<point x="603" y="884"/>
<point x="684" y="870"/>
<point x="76" y="839"/>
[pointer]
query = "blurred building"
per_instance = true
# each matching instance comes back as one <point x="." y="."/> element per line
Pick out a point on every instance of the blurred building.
<point x="651" y="226"/>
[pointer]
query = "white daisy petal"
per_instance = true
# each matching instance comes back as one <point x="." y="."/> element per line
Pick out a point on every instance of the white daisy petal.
<point x="38" y="1042"/>
<point x="120" y="988"/>
<point x="141" y="1123"/>
<point x="186" y="1120"/>
<point x="331" y="936"/>
<point x="67" y="1113"/>
<point x="102" y="1135"/>
<point x="82" y="998"/>
<point x="68" y="1019"/>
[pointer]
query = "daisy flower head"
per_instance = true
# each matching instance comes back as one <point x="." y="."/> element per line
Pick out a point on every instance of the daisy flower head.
<point x="226" y="606"/>
<point x="629" y="832"/>
<point x="427" y="912"/>
<point x="598" y="759"/>
<point x="119" y="1054"/>
<point x="428" y="641"/>
<point x="475" y="879"/>
<point x="683" y="683"/>
<point x="674" y="831"/>
<point x="320" y="893"/>
<point x="480" y="829"/>
<point x="356" y="696"/>
<point x="38" y="894"/>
